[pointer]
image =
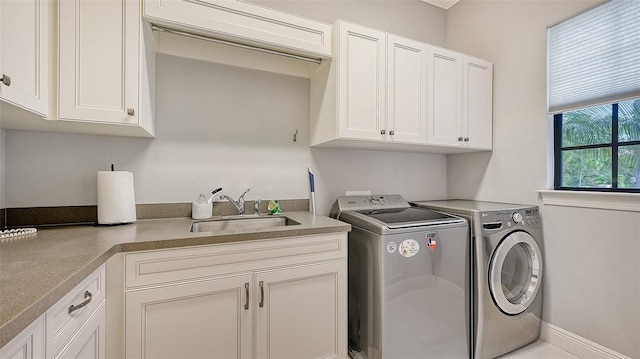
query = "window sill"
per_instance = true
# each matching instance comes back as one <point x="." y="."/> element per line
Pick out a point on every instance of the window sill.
<point x="601" y="200"/>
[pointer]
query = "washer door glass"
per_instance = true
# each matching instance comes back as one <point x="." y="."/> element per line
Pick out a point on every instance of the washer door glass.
<point x="515" y="272"/>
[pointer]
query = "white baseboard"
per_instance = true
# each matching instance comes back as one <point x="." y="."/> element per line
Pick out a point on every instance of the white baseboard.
<point x="576" y="344"/>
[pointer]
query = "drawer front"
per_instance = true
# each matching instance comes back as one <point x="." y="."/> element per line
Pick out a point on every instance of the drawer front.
<point x="61" y="324"/>
<point x="165" y="266"/>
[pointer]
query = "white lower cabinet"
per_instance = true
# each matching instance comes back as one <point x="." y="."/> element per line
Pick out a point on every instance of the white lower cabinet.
<point x="205" y="319"/>
<point x="74" y="327"/>
<point x="301" y="312"/>
<point x="282" y="304"/>
<point x="29" y="344"/>
<point x="76" y="323"/>
<point x="89" y="341"/>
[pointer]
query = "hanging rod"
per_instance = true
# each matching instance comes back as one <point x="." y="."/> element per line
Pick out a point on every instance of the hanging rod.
<point x="155" y="27"/>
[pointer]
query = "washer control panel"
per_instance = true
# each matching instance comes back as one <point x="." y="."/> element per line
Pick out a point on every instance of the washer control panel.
<point x="363" y="203"/>
<point x="510" y="218"/>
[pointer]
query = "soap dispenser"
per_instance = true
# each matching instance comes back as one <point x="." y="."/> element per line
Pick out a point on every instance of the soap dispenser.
<point x="201" y="209"/>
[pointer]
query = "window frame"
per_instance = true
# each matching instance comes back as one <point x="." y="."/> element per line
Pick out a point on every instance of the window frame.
<point x="614" y="144"/>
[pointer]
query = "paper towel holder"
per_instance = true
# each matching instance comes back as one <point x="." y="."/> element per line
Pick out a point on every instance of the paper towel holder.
<point x="116" y="198"/>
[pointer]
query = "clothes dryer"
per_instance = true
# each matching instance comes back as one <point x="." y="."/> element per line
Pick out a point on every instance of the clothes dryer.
<point x="507" y="285"/>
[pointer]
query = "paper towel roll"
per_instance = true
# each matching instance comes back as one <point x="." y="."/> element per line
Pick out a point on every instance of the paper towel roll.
<point x="116" y="198"/>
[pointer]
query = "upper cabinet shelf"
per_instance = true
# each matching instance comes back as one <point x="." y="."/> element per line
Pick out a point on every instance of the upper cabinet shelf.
<point x="243" y="23"/>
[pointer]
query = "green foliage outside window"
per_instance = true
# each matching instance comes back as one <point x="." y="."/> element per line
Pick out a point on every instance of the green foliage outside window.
<point x="588" y="145"/>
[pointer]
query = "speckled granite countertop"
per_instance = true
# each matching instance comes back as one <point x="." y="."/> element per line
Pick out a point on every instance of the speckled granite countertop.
<point x="37" y="270"/>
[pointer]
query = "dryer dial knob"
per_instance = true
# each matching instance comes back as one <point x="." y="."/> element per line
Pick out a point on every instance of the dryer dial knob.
<point x="517" y="217"/>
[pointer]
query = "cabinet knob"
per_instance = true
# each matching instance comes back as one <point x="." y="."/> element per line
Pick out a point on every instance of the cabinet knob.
<point x="6" y="80"/>
<point x="382" y="132"/>
<point x="130" y="112"/>
<point x="459" y="138"/>
<point x="466" y="139"/>
<point x="391" y="132"/>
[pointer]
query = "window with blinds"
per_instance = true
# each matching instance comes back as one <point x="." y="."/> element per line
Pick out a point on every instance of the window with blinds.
<point x="594" y="57"/>
<point x="593" y="84"/>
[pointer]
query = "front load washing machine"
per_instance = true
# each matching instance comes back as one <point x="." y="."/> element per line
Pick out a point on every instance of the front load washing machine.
<point x="507" y="285"/>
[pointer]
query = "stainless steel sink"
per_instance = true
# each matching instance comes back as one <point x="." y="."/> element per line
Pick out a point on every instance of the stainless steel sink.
<point x="241" y="224"/>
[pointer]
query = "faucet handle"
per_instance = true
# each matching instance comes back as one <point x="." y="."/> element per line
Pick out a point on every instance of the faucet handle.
<point x="245" y="192"/>
<point x="256" y="206"/>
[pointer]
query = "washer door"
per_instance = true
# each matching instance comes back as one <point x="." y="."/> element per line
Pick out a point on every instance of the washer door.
<point x="515" y="272"/>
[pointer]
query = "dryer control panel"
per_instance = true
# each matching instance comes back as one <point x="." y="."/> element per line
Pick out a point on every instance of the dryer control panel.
<point x="510" y="218"/>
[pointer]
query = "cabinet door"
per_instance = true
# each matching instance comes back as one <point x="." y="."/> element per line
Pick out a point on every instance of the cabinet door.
<point x="361" y="82"/>
<point x="203" y="319"/>
<point x="24" y="51"/>
<point x="301" y="312"/>
<point x="29" y="344"/>
<point x="89" y="343"/>
<point x="98" y="61"/>
<point x="406" y="90"/>
<point x="478" y="103"/>
<point x="444" y="97"/>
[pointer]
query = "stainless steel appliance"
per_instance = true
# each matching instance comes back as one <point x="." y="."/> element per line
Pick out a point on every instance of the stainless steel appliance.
<point x="408" y="279"/>
<point x="507" y="285"/>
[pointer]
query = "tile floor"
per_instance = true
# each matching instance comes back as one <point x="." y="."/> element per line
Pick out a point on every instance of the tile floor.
<point x="536" y="350"/>
<point x="539" y="350"/>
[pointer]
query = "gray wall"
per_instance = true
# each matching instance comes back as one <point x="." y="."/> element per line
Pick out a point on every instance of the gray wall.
<point x="591" y="257"/>
<point x="222" y="126"/>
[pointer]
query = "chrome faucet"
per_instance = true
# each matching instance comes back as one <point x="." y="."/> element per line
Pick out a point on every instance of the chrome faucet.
<point x="239" y="204"/>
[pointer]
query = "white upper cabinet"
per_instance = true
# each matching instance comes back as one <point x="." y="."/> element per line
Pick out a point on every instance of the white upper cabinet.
<point x="92" y="73"/>
<point x="24" y="52"/>
<point x="382" y="91"/>
<point x="445" y="97"/>
<point x="243" y="22"/>
<point x="100" y="63"/>
<point x="406" y="90"/>
<point x="361" y="94"/>
<point x="460" y="100"/>
<point x="477" y="103"/>
<point x="374" y="89"/>
<point x="98" y="52"/>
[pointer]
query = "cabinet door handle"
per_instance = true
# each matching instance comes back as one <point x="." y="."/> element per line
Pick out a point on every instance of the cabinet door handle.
<point x="246" y="291"/>
<point x="382" y="132"/>
<point x="466" y="139"/>
<point x="87" y="299"/>
<point x="130" y="112"/>
<point x="459" y="139"/>
<point x="392" y="132"/>
<point x="261" y="284"/>
<point x="6" y="80"/>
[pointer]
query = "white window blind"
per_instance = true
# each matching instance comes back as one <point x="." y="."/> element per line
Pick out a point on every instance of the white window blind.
<point x="594" y="58"/>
